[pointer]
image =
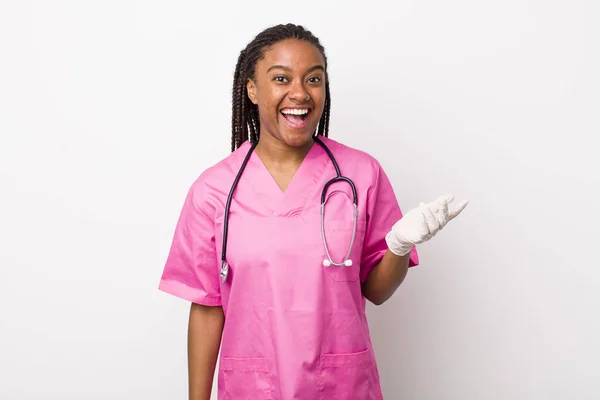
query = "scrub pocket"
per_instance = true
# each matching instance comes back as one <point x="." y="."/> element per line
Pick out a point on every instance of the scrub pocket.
<point x="345" y="376"/>
<point x="339" y="235"/>
<point x="246" y="379"/>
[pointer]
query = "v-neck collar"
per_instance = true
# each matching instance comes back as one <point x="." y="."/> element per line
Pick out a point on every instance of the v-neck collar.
<point x="300" y="189"/>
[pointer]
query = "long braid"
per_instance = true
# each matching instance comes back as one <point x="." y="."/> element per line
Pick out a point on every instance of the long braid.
<point x="324" y="121"/>
<point x="245" y="122"/>
<point x="236" y="112"/>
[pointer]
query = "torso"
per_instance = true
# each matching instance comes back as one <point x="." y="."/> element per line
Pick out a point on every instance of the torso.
<point x="299" y="326"/>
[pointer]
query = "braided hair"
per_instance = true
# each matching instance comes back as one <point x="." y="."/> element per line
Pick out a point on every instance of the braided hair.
<point x="245" y="123"/>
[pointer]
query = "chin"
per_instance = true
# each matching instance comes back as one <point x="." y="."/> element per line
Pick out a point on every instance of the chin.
<point x="297" y="139"/>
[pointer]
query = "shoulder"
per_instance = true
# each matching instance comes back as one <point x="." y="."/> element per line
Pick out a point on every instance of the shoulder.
<point x="353" y="158"/>
<point x="364" y="169"/>
<point x="216" y="180"/>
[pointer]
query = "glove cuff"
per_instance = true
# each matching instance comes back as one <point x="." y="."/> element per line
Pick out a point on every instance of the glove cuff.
<point x="398" y="247"/>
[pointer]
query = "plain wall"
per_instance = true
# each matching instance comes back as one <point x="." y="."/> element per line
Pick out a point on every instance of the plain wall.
<point x="109" y="110"/>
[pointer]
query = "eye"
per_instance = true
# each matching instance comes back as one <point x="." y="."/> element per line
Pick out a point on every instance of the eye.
<point x="280" y="79"/>
<point x="314" y="79"/>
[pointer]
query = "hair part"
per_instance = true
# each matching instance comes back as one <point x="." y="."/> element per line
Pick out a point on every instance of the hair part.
<point x="245" y="122"/>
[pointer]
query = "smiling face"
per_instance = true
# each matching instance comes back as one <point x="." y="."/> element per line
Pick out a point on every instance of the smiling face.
<point x="289" y="89"/>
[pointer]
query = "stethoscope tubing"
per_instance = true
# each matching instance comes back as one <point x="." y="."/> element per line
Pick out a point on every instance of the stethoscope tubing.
<point x="347" y="262"/>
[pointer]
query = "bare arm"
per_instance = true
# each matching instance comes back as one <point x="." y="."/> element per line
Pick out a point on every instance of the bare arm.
<point x="204" y="339"/>
<point x="385" y="278"/>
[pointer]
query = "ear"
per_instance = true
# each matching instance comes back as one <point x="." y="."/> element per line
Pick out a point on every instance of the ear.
<point x="251" y="88"/>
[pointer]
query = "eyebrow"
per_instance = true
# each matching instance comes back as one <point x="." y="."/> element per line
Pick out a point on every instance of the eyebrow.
<point x="311" y="69"/>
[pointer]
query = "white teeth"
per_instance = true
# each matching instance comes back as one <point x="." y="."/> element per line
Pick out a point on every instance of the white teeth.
<point x="294" y="111"/>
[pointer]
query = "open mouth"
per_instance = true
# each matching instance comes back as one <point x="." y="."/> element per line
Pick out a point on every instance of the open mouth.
<point x="295" y="115"/>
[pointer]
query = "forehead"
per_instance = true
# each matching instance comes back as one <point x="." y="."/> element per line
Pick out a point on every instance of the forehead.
<point x="292" y="53"/>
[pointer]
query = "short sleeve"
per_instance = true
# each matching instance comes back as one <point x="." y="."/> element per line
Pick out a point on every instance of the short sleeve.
<point x="191" y="269"/>
<point x="383" y="211"/>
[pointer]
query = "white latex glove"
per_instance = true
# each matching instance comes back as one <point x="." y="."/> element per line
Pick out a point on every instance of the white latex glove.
<point x="421" y="224"/>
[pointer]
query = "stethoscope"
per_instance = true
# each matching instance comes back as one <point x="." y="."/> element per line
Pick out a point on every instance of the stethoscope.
<point x="328" y="261"/>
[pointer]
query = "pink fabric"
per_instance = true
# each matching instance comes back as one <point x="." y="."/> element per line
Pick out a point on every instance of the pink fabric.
<point x="294" y="329"/>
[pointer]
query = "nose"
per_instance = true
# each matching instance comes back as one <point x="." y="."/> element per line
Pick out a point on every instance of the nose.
<point x="298" y="92"/>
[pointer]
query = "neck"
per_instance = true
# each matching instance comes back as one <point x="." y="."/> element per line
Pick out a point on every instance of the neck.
<point x="275" y="151"/>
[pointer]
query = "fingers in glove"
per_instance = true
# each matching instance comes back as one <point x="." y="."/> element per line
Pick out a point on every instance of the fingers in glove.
<point x="439" y="208"/>
<point x="461" y="206"/>
<point x="442" y="213"/>
<point x="432" y="223"/>
<point x="445" y="199"/>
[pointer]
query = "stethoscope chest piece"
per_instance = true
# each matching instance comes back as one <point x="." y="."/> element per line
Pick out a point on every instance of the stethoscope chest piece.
<point x="224" y="271"/>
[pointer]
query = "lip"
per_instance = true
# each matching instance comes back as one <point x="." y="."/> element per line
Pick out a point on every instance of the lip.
<point x="296" y="108"/>
<point x="296" y="124"/>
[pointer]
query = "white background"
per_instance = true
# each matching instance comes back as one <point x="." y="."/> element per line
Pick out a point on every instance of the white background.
<point x="110" y="109"/>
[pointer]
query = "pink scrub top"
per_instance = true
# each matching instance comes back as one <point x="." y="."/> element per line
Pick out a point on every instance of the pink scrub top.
<point x="294" y="329"/>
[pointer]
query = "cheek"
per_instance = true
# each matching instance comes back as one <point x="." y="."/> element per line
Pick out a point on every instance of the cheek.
<point x="272" y="104"/>
<point x="270" y="100"/>
<point x="318" y="97"/>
